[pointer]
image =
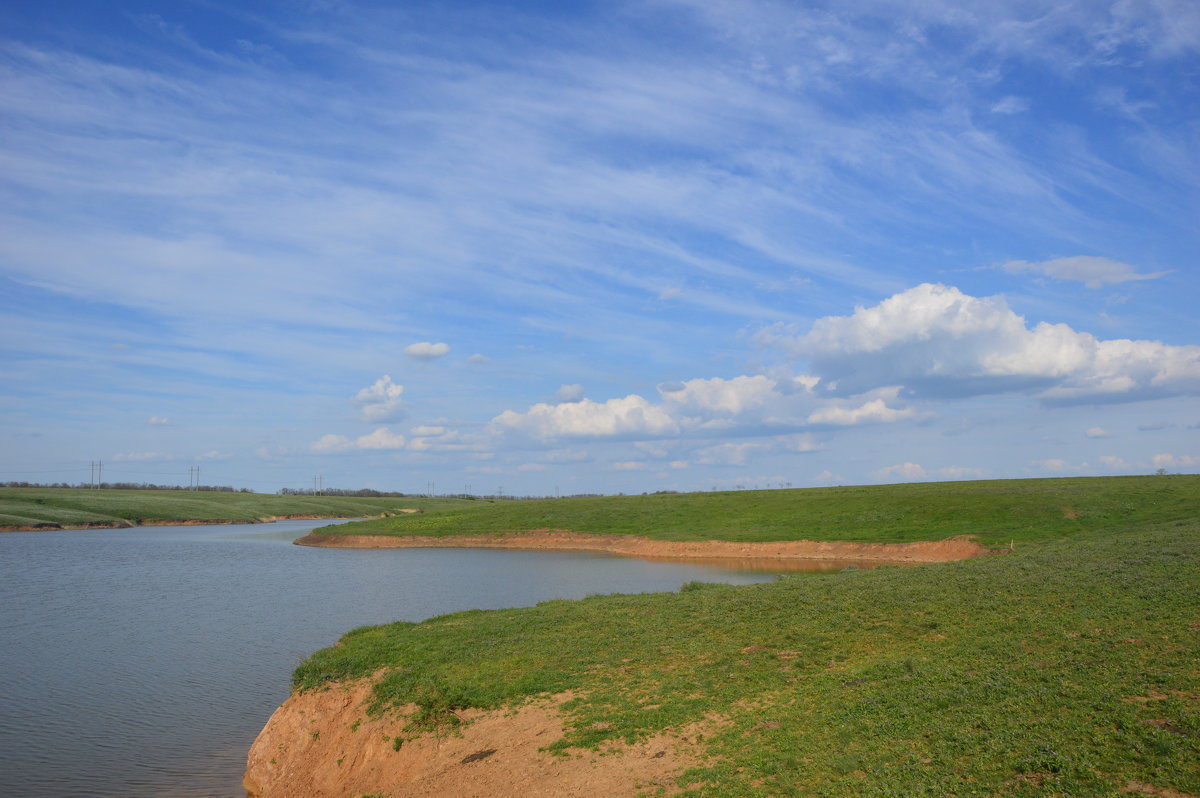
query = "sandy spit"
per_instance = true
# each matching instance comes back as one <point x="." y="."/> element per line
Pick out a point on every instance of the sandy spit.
<point x="958" y="548"/>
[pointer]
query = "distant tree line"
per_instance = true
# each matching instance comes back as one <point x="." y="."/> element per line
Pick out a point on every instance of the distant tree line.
<point x="122" y="486"/>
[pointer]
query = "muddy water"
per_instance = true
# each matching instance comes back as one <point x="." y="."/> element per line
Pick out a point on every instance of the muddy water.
<point x="143" y="662"/>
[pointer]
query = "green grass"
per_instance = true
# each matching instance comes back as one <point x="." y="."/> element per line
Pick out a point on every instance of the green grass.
<point x="995" y="512"/>
<point x="1068" y="668"/>
<point x="75" y="507"/>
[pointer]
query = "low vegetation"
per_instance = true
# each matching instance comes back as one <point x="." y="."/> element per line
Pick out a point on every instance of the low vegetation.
<point x="77" y="507"/>
<point x="995" y="512"/>
<point x="1066" y="668"/>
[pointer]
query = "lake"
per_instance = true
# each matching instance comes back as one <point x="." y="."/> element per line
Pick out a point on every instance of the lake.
<point x="143" y="662"/>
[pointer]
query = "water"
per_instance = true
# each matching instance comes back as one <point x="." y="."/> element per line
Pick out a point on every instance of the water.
<point x="143" y="662"/>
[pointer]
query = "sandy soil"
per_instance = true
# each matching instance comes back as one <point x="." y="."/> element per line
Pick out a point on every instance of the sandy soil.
<point x="630" y="546"/>
<point x="321" y="744"/>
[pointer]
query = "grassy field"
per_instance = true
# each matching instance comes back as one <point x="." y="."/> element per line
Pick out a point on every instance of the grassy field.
<point x="995" y="512"/>
<point x="77" y="507"/>
<point x="1068" y="668"/>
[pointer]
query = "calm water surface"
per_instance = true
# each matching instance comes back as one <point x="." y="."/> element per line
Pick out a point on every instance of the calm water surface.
<point x="143" y="662"/>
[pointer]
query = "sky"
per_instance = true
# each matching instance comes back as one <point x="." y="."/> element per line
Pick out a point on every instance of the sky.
<point x="532" y="248"/>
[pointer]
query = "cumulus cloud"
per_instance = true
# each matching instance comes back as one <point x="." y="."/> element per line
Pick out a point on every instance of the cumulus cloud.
<point x="426" y="350"/>
<point x="477" y="359"/>
<point x="935" y="340"/>
<point x="902" y="471"/>
<point x="1092" y="271"/>
<point x="381" y="400"/>
<point x="1112" y="461"/>
<point x="569" y="393"/>
<point x="705" y="407"/>
<point x="628" y="465"/>
<point x="1175" y="460"/>
<point x="532" y="467"/>
<point x="157" y="420"/>
<point x="846" y="414"/>
<point x="381" y="438"/>
<point x="328" y="444"/>
<point x="632" y="415"/>
<point x="1097" y="432"/>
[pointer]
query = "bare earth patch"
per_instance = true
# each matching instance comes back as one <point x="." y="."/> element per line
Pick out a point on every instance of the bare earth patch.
<point x="322" y="743"/>
<point x="631" y="546"/>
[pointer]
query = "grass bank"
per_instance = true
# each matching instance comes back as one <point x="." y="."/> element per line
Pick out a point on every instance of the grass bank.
<point x="67" y="507"/>
<point x="1067" y="668"/>
<point x="995" y="512"/>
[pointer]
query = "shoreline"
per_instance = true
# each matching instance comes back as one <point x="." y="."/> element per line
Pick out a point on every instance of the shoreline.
<point x="925" y="551"/>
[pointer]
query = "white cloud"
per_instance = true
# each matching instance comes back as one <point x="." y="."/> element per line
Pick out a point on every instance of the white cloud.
<point x="679" y="465"/>
<point x="569" y="393"/>
<point x="1092" y="271"/>
<point x="157" y="420"/>
<point x="935" y="340"/>
<point x="382" y="438"/>
<point x="477" y="358"/>
<point x="873" y="411"/>
<point x="729" y="454"/>
<point x="1011" y="105"/>
<point x="427" y="430"/>
<point x="426" y="350"/>
<point x="1054" y="465"/>
<point x="732" y="396"/>
<point x="632" y="415"/>
<point x="330" y="443"/>
<point x="1175" y="460"/>
<point x="531" y="467"/>
<point x="1097" y="432"/>
<point x="628" y="465"/>
<point x="214" y="454"/>
<point x="957" y="472"/>
<point x="381" y="400"/>
<point x="902" y="471"/>
<point x="1112" y="461"/>
<point x="827" y="477"/>
<point x="137" y="457"/>
<point x="802" y="442"/>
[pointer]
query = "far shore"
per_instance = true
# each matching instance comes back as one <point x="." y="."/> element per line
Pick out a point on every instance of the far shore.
<point x="126" y="524"/>
<point x="957" y="548"/>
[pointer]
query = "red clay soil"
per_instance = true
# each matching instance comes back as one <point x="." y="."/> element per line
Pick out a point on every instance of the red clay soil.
<point x="322" y="744"/>
<point x="630" y="546"/>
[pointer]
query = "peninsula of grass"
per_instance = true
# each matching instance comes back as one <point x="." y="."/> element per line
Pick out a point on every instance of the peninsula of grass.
<point x="1067" y="668"/>
<point x="994" y="512"/>
<point x="55" y="508"/>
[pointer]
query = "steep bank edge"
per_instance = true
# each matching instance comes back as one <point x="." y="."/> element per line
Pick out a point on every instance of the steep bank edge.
<point x="322" y="744"/>
<point x="958" y="548"/>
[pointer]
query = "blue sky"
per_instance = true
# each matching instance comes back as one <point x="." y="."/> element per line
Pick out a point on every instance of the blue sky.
<point x="611" y="247"/>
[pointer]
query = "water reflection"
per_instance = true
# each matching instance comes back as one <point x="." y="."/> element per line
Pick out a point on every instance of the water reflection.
<point x="144" y="661"/>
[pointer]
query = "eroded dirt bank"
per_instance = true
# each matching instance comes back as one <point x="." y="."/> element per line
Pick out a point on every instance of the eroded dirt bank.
<point x="322" y="744"/>
<point x="631" y="546"/>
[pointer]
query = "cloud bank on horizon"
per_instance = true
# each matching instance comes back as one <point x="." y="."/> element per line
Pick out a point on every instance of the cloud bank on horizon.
<point x="656" y="245"/>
